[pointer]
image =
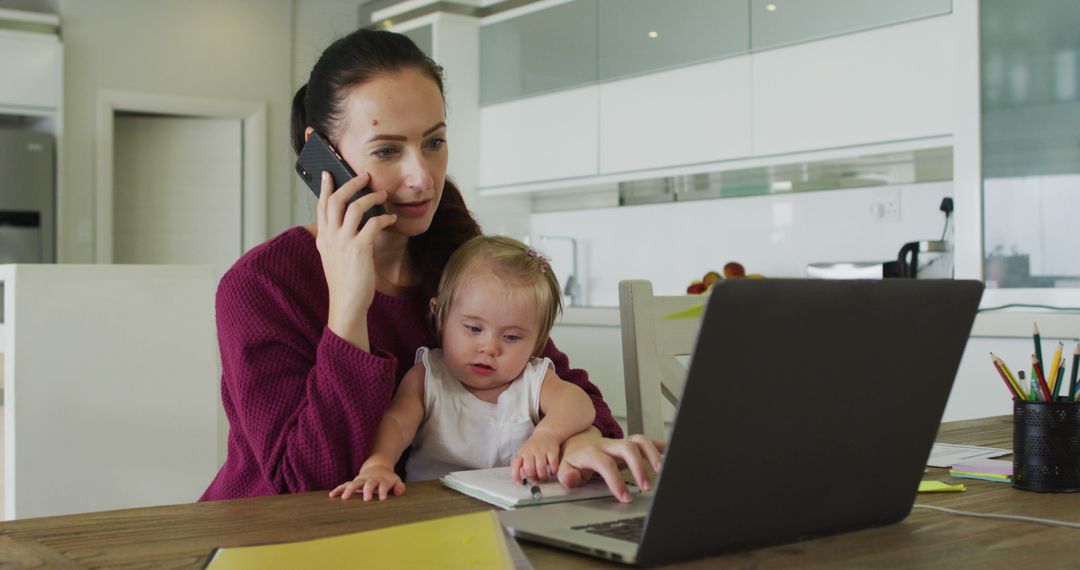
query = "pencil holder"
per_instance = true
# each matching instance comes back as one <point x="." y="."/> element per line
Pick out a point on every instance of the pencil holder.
<point x="1046" y="446"/>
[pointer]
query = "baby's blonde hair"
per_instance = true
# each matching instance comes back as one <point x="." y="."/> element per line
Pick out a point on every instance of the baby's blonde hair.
<point x="512" y="261"/>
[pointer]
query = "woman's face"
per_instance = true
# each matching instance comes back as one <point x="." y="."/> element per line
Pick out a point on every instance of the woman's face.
<point x="394" y="130"/>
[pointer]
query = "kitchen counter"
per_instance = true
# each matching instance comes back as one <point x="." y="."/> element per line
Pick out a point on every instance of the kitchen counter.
<point x="590" y="316"/>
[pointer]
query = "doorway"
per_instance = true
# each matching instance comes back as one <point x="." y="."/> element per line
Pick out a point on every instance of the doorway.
<point x="177" y="190"/>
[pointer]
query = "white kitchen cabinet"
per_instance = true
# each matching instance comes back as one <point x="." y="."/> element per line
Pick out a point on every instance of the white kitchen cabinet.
<point x="684" y="116"/>
<point x="111" y="387"/>
<point x="888" y="84"/>
<point x="30" y="71"/>
<point x="540" y="138"/>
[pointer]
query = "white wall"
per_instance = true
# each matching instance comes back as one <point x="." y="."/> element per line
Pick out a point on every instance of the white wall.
<point x="240" y="49"/>
<point x="316" y="24"/>
<point x="775" y="235"/>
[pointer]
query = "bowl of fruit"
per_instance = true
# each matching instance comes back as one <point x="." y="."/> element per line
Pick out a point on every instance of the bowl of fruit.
<point x="732" y="270"/>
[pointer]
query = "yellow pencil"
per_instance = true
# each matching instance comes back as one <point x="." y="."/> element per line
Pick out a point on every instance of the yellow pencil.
<point x="1054" y="366"/>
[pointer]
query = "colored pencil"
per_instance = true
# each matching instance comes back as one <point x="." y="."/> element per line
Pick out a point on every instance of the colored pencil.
<point x="1008" y="383"/>
<point x="1038" y="342"/>
<point x="1072" y="377"/>
<point x="1053" y="372"/>
<point x="1042" y="379"/>
<point x="1060" y="380"/>
<point x="1009" y="376"/>
<point x="1033" y="394"/>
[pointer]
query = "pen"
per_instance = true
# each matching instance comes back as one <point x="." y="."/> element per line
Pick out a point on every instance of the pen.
<point x="1042" y="379"/>
<point x="534" y="489"/>
<point x="1033" y="393"/>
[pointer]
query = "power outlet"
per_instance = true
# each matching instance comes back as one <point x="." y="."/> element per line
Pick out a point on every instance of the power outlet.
<point x="885" y="205"/>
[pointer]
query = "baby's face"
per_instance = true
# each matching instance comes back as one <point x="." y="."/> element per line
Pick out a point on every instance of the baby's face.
<point x="490" y="332"/>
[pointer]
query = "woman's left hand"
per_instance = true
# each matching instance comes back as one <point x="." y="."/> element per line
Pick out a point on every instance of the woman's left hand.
<point x="588" y="453"/>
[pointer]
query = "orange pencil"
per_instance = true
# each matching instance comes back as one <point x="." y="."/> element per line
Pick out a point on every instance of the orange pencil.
<point x="1042" y="379"/>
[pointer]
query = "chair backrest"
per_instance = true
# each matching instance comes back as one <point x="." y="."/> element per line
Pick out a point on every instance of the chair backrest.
<point x="652" y="344"/>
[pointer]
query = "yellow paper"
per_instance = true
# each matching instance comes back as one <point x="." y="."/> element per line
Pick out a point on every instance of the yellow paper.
<point x="939" y="487"/>
<point x="467" y="541"/>
<point x="691" y="313"/>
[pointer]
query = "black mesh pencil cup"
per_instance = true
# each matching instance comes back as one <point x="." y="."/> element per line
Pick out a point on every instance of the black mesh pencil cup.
<point x="1046" y="446"/>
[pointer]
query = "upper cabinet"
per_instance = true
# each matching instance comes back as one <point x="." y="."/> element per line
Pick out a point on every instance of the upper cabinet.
<point x="30" y="65"/>
<point x="538" y="52"/>
<point x="685" y="84"/>
<point x="777" y="23"/>
<point x="539" y="138"/>
<point x="889" y="84"/>
<point x="683" y="116"/>
<point x="641" y="36"/>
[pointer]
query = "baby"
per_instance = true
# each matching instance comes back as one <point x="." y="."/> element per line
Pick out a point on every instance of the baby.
<point x="485" y="399"/>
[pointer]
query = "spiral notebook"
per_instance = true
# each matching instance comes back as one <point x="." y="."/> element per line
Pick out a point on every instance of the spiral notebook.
<point x="497" y="487"/>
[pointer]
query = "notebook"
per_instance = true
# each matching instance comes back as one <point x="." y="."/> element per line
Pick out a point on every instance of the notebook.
<point x="497" y="487"/>
<point x="792" y="387"/>
<point x="466" y="541"/>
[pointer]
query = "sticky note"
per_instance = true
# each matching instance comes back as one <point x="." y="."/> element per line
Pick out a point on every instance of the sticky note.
<point x="939" y="487"/>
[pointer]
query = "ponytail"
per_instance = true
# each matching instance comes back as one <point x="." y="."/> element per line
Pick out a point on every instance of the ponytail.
<point x="298" y="124"/>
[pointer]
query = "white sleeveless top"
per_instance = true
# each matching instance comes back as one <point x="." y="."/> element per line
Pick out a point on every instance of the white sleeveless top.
<point x="460" y="431"/>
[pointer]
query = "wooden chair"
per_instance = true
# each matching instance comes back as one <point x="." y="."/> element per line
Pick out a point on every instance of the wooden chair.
<point x="652" y="345"/>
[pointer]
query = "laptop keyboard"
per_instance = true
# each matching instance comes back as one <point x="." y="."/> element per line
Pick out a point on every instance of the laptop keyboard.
<point x="622" y="529"/>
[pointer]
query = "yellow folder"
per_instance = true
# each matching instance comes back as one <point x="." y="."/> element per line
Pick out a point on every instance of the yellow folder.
<point x="467" y="541"/>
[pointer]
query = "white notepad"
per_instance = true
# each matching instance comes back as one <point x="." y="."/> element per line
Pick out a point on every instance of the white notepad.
<point x="497" y="487"/>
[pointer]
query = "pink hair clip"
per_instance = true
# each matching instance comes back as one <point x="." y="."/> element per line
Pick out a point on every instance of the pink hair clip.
<point x="544" y="261"/>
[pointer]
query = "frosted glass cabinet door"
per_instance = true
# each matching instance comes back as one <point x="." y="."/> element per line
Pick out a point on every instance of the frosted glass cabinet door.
<point x="538" y="52"/>
<point x="638" y="36"/>
<point x="421" y="36"/>
<point x="782" y="22"/>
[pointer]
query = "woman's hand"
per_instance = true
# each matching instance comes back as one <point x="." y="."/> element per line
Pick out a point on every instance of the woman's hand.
<point x="371" y="480"/>
<point x="348" y="254"/>
<point x="588" y="453"/>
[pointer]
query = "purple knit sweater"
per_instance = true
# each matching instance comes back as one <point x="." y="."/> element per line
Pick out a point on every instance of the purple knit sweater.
<point x="303" y="404"/>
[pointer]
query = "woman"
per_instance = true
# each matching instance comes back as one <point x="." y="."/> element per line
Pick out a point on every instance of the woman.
<point x="318" y="325"/>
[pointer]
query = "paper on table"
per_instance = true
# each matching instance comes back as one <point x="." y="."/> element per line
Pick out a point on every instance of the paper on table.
<point x="475" y="540"/>
<point x="947" y="454"/>
<point x="985" y="466"/>
<point x="497" y="487"/>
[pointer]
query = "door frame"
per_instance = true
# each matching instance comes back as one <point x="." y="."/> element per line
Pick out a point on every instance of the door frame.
<point x="253" y="205"/>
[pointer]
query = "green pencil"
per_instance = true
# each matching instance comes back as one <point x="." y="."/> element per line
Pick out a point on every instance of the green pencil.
<point x="1072" y="378"/>
<point x="1038" y="343"/>
<point x="1060" y="380"/>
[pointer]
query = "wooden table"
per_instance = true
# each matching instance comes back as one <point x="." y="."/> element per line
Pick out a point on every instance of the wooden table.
<point x="181" y="536"/>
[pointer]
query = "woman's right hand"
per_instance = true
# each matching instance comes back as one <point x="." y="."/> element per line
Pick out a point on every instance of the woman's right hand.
<point x="348" y="254"/>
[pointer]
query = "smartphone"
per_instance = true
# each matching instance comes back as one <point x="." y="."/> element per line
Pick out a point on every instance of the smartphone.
<point x="317" y="156"/>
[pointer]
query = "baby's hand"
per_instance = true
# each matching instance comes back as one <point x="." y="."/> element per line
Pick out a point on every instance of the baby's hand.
<point x="538" y="457"/>
<point x="376" y="478"/>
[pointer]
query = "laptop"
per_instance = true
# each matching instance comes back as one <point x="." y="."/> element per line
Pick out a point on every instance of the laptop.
<point x="809" y="409"/>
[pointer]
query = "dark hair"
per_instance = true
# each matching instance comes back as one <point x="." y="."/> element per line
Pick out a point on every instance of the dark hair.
<point x="320" y="104"/>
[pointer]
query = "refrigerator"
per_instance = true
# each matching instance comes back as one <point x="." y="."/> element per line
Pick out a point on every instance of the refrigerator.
<point x="27" y="199"/>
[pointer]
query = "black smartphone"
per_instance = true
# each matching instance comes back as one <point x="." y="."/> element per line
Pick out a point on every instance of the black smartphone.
<point x="317" y="156"/>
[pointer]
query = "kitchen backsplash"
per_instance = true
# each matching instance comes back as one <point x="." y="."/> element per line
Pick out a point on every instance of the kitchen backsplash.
<point x="776" y="235"/>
